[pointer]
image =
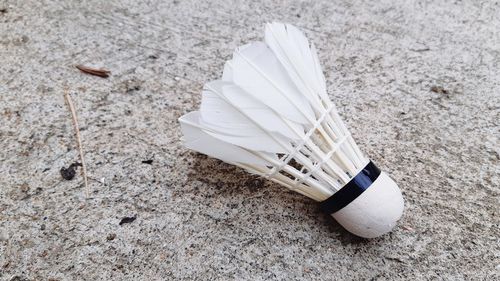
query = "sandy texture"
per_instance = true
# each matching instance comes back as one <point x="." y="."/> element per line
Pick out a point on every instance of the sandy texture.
<point x="417" y="83"/>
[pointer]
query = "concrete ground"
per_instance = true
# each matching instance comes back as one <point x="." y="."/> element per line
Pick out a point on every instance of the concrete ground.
<point x="418" y="84"/>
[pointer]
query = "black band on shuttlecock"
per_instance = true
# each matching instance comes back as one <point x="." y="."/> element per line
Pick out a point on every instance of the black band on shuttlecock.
<point x="357" y="185"/>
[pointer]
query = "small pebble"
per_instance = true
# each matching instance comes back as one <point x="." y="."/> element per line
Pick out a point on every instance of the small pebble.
<point x="127" y="220"/>
<point x="69" y="173"/>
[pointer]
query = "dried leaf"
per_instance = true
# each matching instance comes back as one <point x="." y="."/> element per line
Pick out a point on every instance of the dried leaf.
<point x="93" y="71"/>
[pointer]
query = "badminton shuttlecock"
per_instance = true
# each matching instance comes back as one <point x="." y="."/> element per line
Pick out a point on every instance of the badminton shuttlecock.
<point x="270" y="114"/>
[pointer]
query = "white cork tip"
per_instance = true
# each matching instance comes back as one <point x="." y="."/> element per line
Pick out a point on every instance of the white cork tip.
<point x="375" y="212"/>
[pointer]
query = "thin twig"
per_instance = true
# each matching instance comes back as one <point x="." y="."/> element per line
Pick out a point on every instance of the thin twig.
<point x="67" y="97"/>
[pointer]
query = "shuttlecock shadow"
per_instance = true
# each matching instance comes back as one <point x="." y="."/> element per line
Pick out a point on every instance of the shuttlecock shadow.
<point x="225" y="178"/>
<point x="338" y="232"/>
<point x="230" y="182"/>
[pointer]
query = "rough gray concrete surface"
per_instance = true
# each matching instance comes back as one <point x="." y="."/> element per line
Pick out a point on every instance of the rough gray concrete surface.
<point x="418" y="84"/>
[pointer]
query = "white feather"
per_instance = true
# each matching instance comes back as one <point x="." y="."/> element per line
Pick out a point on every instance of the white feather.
<point x="256" y="70"/>
<point x="260" y="113"/>
<point x="227" y="121"/>
<point x="198" y="140"/>
<point x="299" y="59"/>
